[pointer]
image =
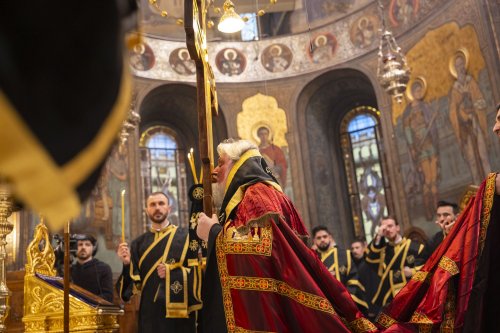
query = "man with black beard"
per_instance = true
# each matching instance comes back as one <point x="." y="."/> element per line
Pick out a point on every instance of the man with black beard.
<point x="158" y="266"/>
<point x="260" y="276"/>
<point x="90" y="273"/>
<point x="339" y="263"/>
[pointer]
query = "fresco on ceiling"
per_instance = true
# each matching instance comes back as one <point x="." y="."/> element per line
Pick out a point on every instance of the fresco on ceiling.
<point x="142" y="57"/>
<point x="444" y="128"/>
<point x="364" y="31"/>
<point x="403" y="12"/>
<point x="181" y="62"/>
<point x="319" y="9"/>
<point x="322" y="48"/>
<point x="230" y="61"/>
<point x="276" y="58"/>
<point x="264" y="123"/>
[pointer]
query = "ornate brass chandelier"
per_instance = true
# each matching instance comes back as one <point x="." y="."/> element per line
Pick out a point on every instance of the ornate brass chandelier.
<point x="129" y="124"/>
<point x="392" y="69"/>
<point x="230" y="20"/>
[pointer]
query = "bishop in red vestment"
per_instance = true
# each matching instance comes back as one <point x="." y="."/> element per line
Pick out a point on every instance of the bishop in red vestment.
<point x="260" y="275"/>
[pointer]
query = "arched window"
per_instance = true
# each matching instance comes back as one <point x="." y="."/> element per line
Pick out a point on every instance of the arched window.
<point x="163" y="169"/>
<point x="360" y="140"/>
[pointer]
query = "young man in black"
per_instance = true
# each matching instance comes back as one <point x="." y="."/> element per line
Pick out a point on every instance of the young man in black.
<point x="90" y="273"/>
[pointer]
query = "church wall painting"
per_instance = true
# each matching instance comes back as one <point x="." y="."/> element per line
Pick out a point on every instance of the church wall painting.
<point x="364" y="31"/>
<point x="322" y="48"/>
<point x="230" y="61"/>
<point x="264" y="123"/>
<point x="142" y="57"/>
<point x="181" y="62"/>
<point x="443" y="129"/>
<point x="276" y="58"/>
<point x="403" y="12"/>
<point x="102" y="212"/>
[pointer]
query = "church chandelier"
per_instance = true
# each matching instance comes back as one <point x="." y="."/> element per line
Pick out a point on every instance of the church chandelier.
<point x="229" y="22"/>
<point x="393" y="72"/>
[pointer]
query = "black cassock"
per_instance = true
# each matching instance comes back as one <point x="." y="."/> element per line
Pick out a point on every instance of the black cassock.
<point x="170" y="304"/>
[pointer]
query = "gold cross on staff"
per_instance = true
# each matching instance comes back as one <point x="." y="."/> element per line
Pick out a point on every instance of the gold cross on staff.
<point x="195" y="17"/>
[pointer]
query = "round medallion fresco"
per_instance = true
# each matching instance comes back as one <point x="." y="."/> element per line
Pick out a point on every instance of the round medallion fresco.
<point x="364" y="31"/>
<point x="230" y="62"/>
<point x="276" y="58"/>
<point x="142" y="57"/>
<point x="322" y="48"/>
<point x="181" y="62"/>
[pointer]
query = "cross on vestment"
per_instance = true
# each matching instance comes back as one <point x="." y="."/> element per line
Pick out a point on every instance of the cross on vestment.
<point x="195" y="18"/>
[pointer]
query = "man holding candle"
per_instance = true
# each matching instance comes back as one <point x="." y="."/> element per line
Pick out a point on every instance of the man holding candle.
<point x="161" y="266"/>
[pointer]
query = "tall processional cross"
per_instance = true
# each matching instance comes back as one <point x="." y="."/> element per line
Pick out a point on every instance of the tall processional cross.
<point x="195" y="19"/>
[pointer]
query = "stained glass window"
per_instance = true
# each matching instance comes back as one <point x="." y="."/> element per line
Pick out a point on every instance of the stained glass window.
<point x="163" y="169"/>
<point x="364" y="168"/>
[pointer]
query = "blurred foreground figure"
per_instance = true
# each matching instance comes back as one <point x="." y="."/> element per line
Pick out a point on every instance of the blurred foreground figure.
<point x="63" y="96"/>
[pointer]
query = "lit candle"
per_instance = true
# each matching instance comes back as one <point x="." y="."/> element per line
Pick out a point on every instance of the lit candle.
<point x="191" y="163"/>
<point x="123" y="215"/>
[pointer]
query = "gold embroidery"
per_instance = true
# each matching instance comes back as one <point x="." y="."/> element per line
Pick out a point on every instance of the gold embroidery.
<point x="282" y="288"/>
<point x="245" y="246"/>
<point x="361" y="325"/>
<point x="489" y="193"/>
<point x="424" y="328"/>
<point x="448" y="324"/>
<point x="410" y="259"/>
<point x="421" y="276"/>
<point x="449" y="265"/>
<point x="193" y="222"/>
<point x="193" y="245"/>
<point x="176" y="287"/>
<point x="159" y="236"/>
<point x="385" y="320"/>
<point x="226" y="280"/>
<point x="420" y="318"/>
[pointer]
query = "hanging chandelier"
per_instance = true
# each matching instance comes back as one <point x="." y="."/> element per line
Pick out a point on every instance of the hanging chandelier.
<point x="393" y="72"/>
<point x="129" y="124"/>
<point x="230" y="21"/>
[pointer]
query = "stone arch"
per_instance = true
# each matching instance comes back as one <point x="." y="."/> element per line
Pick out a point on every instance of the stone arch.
<point x="321" y="105"/>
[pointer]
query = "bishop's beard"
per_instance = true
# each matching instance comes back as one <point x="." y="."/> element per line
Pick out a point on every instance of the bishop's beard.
<point x="218" y="193"/>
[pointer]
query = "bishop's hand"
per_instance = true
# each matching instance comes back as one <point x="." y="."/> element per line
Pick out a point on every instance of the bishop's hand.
<point x="205" y="223"/>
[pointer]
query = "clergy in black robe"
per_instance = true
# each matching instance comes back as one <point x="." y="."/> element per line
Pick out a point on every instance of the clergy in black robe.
<point x="339" y="263"/>
<point x="396" y="260"/>
<point x="162" y="267"/>
<point x="367" y="276"/>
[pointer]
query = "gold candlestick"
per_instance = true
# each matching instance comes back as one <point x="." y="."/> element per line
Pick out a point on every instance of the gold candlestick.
<point x="123" y="215"/>
<point x="5" y="229"/>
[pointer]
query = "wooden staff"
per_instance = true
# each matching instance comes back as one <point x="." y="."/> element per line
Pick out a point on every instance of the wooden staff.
<point x="66" y="279"/>
<point x="195" y="18"/>
<point x="123" y="215"/>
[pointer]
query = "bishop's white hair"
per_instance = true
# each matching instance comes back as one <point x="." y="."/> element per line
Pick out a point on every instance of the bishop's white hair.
<point x="234" y="148"/>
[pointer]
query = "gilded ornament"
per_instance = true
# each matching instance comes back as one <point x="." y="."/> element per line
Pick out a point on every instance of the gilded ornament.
<point x="176" y="287"/>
